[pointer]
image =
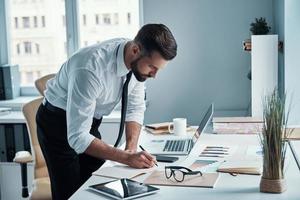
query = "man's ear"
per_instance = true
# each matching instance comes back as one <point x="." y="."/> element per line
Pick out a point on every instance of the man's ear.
<point x="136" y="50"/>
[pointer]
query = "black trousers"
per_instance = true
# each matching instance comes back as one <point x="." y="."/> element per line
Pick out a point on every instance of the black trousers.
<point x="67" y="169"/>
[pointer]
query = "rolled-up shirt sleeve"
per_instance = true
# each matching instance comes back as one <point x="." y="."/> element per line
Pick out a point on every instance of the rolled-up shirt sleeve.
<point x="136" y="104"/>
<point x="83" y="90"/>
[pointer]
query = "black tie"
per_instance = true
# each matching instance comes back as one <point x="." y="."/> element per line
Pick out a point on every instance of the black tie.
<point x="124" y="107"/>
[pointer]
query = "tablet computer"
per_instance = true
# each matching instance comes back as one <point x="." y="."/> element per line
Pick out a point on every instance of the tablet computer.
<point x="123" y="189"/>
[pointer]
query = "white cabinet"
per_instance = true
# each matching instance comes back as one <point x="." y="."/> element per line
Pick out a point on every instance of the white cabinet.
<point x="264" y="70"/>
<point x="10" y="180"/>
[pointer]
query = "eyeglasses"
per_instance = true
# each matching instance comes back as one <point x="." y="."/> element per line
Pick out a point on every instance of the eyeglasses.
<point x="179" y="172"/>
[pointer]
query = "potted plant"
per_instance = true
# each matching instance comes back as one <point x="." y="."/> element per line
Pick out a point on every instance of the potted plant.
<point x="260" y="27"/>
<point x="273" y="141"/>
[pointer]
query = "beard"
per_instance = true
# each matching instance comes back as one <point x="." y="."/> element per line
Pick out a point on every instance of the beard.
<point x="134" y="68"/>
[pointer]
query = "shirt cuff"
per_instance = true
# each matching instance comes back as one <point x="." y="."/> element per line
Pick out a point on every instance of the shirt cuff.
<point x="136" y="117"/>
<point x="81" y="142"/>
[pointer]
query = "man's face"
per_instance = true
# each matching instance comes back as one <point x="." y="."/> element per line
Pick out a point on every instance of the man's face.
<point x="145" y="67"/>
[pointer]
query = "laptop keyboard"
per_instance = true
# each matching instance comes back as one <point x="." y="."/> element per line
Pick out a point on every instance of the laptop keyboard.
<point x="175" y="145"/>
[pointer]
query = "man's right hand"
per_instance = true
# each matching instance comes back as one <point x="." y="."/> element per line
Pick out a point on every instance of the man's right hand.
<point x="140" y="159"/>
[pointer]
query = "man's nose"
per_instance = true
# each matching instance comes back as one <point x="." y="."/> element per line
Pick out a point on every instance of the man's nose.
<point x="153" y="73"/>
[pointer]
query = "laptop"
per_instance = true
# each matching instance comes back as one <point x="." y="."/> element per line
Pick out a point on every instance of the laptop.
<point x="179" y="146"/>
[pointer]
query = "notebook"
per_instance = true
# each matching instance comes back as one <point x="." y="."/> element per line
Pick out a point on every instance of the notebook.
<point x="120" y="171"/>
<point x="252" y="167"/>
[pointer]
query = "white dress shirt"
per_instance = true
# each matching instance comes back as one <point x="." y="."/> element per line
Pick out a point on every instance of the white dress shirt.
<point x="89" y="84"/>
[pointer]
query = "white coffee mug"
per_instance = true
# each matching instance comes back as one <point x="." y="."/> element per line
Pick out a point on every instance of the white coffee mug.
<point x="179" y="126"/>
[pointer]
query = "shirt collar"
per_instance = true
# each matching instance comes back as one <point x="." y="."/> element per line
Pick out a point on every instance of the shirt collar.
<point x="121" y="67"/>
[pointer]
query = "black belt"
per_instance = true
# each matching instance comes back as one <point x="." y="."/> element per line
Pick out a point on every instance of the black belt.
<point x="52" y="108"/>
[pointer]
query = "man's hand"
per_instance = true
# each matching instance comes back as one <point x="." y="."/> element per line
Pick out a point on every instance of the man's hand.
<point x="141" y="159"/>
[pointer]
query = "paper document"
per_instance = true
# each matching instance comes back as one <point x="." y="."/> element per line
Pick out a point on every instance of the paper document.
<point x="253" y="167"/>
<point x="205" y="166"/>
<point x="254" y="150"/>
<point x="294" y="133"/>
<point x="121" y="171"/>
<point x="5" y="111"/>
<point x="218" y="151"/>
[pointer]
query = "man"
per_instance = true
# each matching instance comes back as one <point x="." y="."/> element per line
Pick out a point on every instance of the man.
<point x="88" y="86"/>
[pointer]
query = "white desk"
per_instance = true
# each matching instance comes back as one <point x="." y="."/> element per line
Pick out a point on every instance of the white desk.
<point x="109" y="127"/>
<point x="244" y="187"/>
<point x="15" y="117"/>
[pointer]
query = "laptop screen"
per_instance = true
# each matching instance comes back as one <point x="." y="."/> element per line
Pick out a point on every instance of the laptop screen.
<point x="203" y="123"/>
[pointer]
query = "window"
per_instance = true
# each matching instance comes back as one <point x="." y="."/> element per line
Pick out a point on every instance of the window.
<point x="128" y="18"/>
<point x="97" y="19"/>
<point x="26" y="22"/>
<point x="37" y="47"/>
<point x="106" y="19"/>
<point x="27" y="47"/>
<point x="18" y="49"/>
<point x="16" y="22"/>
<point x="84" y="20"/>
<point x="116" y="18"/>
<point x="42" y="52"/>
<point x="43" y="21"/>
<point x="111" y="13"/>
<point x="35" y="21"/>
<point x="37" y="52"/>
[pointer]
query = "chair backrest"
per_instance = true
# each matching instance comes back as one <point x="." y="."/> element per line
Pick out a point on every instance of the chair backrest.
<point x="40" y="83"/>
<point x="29" y="110"/>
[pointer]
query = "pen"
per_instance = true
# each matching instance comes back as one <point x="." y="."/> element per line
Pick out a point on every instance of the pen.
<point x="146" y="151"/>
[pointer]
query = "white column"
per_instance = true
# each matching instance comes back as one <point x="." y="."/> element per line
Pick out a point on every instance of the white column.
<point x="264" y="69"/>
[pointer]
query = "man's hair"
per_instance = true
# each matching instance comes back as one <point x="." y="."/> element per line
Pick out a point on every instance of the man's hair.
<point x="157" y="37"/>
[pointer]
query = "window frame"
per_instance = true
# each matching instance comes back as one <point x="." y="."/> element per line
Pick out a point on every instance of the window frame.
<point x="72" y="33"/>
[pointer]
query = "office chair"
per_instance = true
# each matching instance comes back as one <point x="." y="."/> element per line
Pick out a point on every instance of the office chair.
<point x="40" y="83"/>
<point x="41" y="184"/>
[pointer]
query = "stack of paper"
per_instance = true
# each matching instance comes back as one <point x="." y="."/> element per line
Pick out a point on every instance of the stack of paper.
<point x="4" y="111"/>
<point x="158" y="128"/>
<point x="253" y="167"/>
<point x="237" y="125"/>
<point x="294" y="133"/>
<point x="162" y="128"/>
<point x="120" y="171"/>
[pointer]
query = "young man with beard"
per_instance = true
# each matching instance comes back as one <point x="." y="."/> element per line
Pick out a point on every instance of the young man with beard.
<point x="88" y="86"/>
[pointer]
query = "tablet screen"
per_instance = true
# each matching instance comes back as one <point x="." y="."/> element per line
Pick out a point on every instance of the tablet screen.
<point x="123" y="189"/>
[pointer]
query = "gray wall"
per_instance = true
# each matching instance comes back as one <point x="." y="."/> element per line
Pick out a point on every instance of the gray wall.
<point x="292" y="58"/>
<point x="278" y="14"/>
<point x="211" y="65"/>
